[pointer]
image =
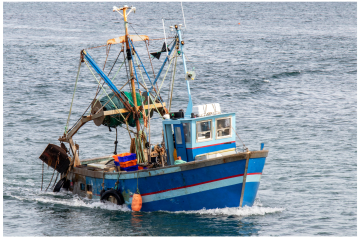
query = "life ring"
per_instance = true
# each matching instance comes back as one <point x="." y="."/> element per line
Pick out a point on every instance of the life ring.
<point x="59" y="185"/>
<point x="112" y="195"/>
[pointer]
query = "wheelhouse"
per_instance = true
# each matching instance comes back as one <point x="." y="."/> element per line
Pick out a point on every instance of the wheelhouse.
<point x="200" y="138"/>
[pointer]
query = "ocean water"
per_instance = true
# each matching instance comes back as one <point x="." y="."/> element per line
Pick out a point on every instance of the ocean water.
<point x="288" y="70"/>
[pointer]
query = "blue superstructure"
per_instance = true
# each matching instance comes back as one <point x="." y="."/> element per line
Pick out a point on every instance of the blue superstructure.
<point x="187" y="129"/>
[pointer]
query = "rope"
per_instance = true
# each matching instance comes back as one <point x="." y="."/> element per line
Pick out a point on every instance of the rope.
<point x="244" y="147"/>
<point x="139" y="149"/>
<point x="50" y="180"/>
<point x="137" y="182"/>
<point x="56" y="163"/>
<point x="77" y="77"/>
<point x="150" y="59"/>
<point x="96" y="95"/>
<point x="42" y="176"/>
<point x="125" y="120"/>
<point x="103" y="183"/>
<point x="103" y="85"/>
<point x="55" y="180"/>
<point x="107" y="54"/>
<point x="96" y="47"/>
<point x="117" y="182"/>
<point x="104" y="90"/>
<point x="157" y="93"/>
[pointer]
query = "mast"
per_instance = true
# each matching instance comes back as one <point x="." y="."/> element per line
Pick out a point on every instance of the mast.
<point x="129" y="58"/>
<point x="190" y="104"/>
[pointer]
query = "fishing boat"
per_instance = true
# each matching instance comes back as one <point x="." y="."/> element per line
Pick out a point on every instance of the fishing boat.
<point x="196" y="165"/>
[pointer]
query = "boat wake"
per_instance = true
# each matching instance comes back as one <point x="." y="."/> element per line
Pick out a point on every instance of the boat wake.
<point x="256" y="210"/>
<point x="62" y="198"/>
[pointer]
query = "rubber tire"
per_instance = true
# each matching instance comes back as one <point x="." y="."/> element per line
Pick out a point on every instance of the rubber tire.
<point x="102" y="192"/>
<point x="59" y="185"/>
<point x="66" y="184"/>
<point x="116" y="194"/>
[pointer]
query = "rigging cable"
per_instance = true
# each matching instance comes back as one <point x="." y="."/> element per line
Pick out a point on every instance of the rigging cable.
<point x="103" y="84"/>
<point x="77" y="77"/>
<point x="244" y="147"/>
<point x="110" y="100"/>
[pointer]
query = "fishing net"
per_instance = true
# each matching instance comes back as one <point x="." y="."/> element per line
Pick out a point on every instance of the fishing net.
<point x="118" y="120"/>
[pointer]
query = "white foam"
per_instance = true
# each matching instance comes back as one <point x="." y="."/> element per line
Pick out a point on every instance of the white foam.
<point x="256" y="209"/>
<point x="74" y="201"/>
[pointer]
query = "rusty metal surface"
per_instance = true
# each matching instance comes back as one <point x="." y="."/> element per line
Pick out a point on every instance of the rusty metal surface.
<point x="56" y="158"/>
<point x="97" y="108"/>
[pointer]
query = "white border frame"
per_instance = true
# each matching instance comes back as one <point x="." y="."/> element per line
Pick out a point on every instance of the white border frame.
<point x="211" y="131"/>
<point x="216" y="129"/>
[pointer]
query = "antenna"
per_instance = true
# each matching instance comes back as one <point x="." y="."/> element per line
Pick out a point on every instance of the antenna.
<point x="183" y="14"/>
<point x="167" y="54"/>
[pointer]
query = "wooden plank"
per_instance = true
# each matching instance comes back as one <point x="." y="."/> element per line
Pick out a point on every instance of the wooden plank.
<point x="96" y="160"/>
<point x="132" y="146"/>
<point x="104" y="113"/>
<point x="259" y="154"/>
<point x="74" y="151"/>
<point x="163" y="170"/>
<point x="77" y="127"/>
<point x="114" y="112"/>
<point x="244" y="179"/>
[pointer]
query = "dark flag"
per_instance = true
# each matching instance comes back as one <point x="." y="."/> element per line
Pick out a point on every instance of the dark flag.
<point x="158" y="54"/>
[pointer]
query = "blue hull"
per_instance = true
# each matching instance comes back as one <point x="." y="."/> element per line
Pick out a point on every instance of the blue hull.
<point x="191" y="186"/>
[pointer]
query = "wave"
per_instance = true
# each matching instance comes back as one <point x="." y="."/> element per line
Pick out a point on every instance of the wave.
<point x="286" y="74"/>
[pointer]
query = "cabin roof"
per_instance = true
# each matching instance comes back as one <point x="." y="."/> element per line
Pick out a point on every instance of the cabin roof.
<point x="180" y="120"/>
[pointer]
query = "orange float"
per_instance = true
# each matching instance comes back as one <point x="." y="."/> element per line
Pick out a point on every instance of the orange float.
<point x="136" y="203"/>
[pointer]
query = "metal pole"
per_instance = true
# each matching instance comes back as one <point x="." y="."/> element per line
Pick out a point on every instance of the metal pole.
<point x="190" y="104"/>
<point x="129" y="57"/>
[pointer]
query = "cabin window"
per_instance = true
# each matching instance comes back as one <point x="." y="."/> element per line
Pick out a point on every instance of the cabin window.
<point x="223" y="127"/>
<point x="178" y="135"/>
<point x="203" y="131"/>
<point x="187" y="133"/>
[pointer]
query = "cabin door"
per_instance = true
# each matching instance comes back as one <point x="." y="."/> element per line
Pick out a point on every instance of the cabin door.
<point x="180" y="141"/>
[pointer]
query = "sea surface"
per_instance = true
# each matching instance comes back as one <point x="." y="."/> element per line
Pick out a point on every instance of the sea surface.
<point x="288" y="70"/>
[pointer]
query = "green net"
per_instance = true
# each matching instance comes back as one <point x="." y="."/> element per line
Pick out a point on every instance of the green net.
<point x="118" y="120"/>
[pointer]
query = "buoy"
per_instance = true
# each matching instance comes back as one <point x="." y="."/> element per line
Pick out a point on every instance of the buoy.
<point x="136" y="203"/>
<point x="239" y="23"/>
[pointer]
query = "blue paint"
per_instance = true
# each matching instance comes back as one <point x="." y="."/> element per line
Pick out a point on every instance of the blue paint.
<point x="168" y="138"/>
<point x="195" y="148"/>
<point x="208" y="149"/>
<point x="101" y="73"/>
<point x="132" y="60"/>
<point x="141" y="62"/>
<point x="261" y="146"/>
<point x="180" y="142"/>
<point x="225" y="194"/>
<point x="190" y="104"/>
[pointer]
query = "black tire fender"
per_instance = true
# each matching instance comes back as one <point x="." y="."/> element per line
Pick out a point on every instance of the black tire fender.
<point x="59" y="185"/>
<point x="102" y="192"/>
<point x="114" y="193"/>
